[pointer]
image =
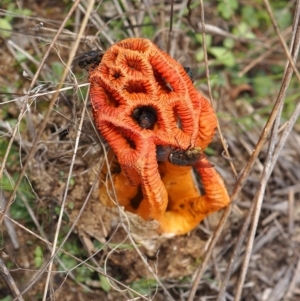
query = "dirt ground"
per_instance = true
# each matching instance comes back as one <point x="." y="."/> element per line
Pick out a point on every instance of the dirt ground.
<point x="100" y="258"/>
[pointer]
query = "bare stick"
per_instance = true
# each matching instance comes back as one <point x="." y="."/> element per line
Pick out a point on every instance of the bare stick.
<point x="258" y="199"/>
<point x="8" y="279"/>
<point x="235" y="253"/>
<point x="285" y="48"/>
<point x="9" y="225"/>
<point x="171" y="27"/>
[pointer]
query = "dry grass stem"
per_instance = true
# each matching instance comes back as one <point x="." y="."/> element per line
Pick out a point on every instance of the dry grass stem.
<point x="5" y="274"/>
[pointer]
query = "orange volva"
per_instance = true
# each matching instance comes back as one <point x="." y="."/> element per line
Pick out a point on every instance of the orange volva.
<point x="134" y="75"/>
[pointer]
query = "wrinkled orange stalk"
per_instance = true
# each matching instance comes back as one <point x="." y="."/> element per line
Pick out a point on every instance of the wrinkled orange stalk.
<point x="135" y="76"/>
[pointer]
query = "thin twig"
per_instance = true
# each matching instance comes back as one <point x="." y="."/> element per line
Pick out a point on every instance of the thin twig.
<point x="8" y="279"/>
<point x="235" y="254"/>
<point x="291" y="211"/>
<point x="282" y="41"/>
<point x="170" y="28"/>
<point x="258" y="199"/>
<point x="293" y="282"/>
<point x="8" y="224"/>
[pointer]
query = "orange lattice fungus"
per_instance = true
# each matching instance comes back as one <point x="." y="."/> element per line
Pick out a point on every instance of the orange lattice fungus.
<point x="147" y="109"/>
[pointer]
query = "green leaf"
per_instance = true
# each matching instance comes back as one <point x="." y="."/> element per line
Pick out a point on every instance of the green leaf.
<point x="38" y="251"/>
<point x="244" y="31"/>
<point x="234" y="4"/>
<point x="210" y="151"/>
<point x="147" y="28"/>
<point x="250" y="16"/>
<point x="284" y="18"/>
<point x="144" y="286"/>
<point x="199" y="56"/>
<point x="71" y="205"/>
<point x="38" y="257"/>
<point x="263" y="85"/>
<point x="24" y="12"/>
<point x="58" y="69"/>
<point x="5" y="28"/>
<point x="224" y="12"/>
<point x="208" y="39"/>
<point x="105" y="285"/>
<point x="227" y="8"/>
<point x="223" y="56"/>
<point x="228" y="43"/>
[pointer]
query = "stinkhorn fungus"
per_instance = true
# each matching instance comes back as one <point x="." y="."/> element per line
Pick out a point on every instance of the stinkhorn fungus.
<point x="157" y="124"/>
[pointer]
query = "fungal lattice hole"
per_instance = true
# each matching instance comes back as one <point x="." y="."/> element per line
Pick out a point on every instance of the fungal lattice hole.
<point x="110" y="100"/>
<point x="165" y="86"/>
<point x="136" y="87"/>
<point x="116" y="75"/>
<point x="145" y="116"/>
<point x="177" y="118"/>
<point x="114" y="54"/>
<point x="136" y="200"/>
<point x="134" y="63"/>
<point x="131" y="143"/>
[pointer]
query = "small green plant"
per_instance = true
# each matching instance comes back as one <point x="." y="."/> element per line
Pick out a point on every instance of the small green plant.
<point x="227" y="8"/>
<point x="82" y="273"/>
<point x="98" y="245"/>
<point x="223" y="54"/>
<point x="38" y="257"/>
<point x="147" y="30"/>
<point x="105" y="284"/>
<point x="12" y="12"/>
<point x="144" y="286"/>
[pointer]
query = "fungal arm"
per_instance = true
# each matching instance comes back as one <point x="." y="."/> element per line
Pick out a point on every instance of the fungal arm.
<point x="186" y="209"/>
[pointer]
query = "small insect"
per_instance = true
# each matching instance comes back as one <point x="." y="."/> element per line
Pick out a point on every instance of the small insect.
<point x="145" y="117"/>
<point x="185" y="157"/>
<point x="189" y="72"/>
<point x="92" y="57"/>
<point x="178" y="156"/>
